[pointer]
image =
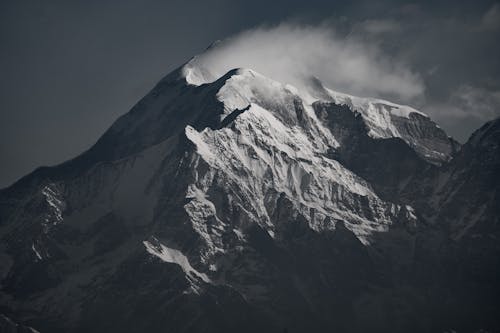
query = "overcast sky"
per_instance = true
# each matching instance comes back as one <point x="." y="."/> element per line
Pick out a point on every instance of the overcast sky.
<point x="69" y="68"/>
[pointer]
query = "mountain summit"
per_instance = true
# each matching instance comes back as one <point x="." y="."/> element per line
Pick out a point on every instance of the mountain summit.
<point x="239" y="203"/>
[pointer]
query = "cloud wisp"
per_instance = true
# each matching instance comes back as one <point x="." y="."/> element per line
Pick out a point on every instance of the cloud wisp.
<point x="468" y="101"/>
<point x="291" y="53"/>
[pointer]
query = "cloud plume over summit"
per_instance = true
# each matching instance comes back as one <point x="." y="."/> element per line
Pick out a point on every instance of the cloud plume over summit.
<point x="289" y="53"/>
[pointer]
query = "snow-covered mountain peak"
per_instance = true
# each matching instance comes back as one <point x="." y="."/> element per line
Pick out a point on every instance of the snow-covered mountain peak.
<point x="383" y="119"/>
<point x="310" y="89"/>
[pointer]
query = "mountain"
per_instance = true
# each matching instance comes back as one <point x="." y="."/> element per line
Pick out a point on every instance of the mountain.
<point x="239" y="203"/>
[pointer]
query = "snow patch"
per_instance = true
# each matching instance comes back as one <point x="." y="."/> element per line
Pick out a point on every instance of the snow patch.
<point x="377" y="113"/>
<point x="174" y="256"/>
<point x="56" y="204"/>
<point x="203" y="217"/>
<point x="201" y="147"/>
<point x="37" y="254"/>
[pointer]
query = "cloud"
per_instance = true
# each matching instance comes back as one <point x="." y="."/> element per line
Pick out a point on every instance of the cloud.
<point x="491" y="19"/>
<point x="466" y="109"/>
<point x="477" y="102"/>
<point x="289" y="53"/>
<point x="468" y="101"/>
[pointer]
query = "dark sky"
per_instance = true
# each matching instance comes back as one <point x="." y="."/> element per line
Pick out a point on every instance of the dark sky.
<point x="69" y="68"/>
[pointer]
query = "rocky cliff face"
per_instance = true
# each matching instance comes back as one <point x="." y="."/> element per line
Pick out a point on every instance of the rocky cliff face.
<point x="241" y="203"/>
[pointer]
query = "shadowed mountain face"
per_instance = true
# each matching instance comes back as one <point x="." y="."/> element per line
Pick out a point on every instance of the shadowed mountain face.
<point x="243" y="204"/>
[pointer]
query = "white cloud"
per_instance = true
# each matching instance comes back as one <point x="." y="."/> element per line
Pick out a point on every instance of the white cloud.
<point x="491" y="19"/>
<point x="289" y="53"/>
